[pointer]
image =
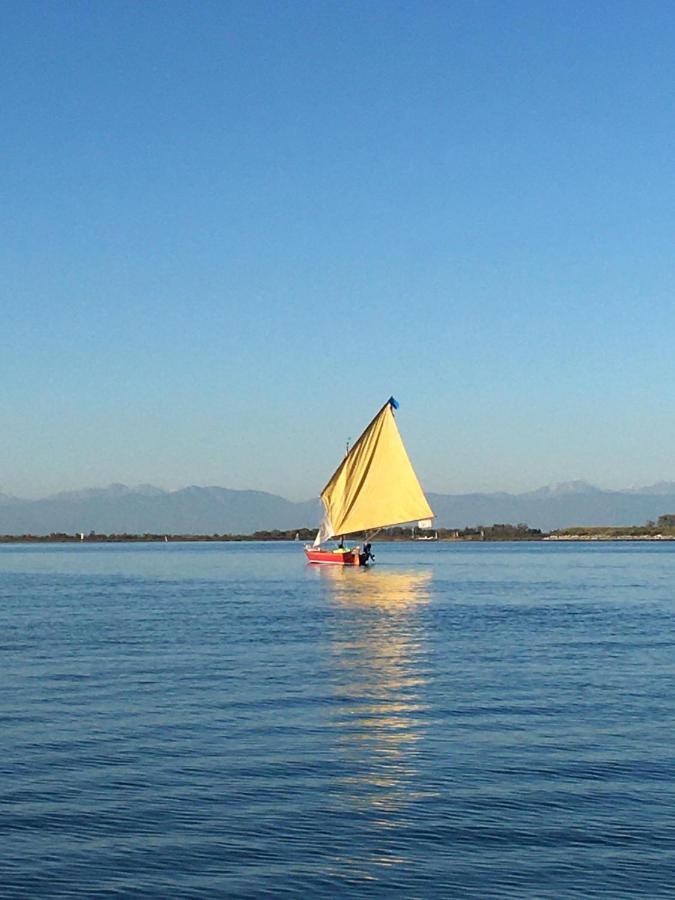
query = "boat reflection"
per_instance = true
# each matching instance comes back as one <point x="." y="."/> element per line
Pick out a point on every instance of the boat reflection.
<point x="370" y="587"/>
<point x="379" y="671"/>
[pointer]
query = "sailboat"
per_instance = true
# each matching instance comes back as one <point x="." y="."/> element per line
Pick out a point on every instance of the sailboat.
<point x="374" y="487"/>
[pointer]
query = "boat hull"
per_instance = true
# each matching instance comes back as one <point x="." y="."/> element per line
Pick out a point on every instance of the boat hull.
<point x="330" y="557"/>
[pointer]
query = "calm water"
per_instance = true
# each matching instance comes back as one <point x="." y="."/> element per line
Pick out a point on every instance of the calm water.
<point x="208" y="720"/>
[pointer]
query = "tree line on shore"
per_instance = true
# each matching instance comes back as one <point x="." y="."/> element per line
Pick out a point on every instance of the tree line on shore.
<point x="663" y="527"/>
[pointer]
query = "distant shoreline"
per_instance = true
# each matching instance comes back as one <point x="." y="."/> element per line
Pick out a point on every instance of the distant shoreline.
<point x="491" y="534"/>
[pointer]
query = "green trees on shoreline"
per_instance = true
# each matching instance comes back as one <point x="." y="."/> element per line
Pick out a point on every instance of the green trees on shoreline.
<point x="662" y="529"/>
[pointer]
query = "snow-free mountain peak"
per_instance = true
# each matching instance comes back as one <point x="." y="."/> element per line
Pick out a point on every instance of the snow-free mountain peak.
<point x="564" y="488"/>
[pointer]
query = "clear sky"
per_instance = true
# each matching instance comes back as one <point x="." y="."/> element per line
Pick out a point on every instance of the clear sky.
<point x="230" y="230"/>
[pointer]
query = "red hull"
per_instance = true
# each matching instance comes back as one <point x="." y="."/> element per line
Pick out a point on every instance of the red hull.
<point x="329" y="556"/>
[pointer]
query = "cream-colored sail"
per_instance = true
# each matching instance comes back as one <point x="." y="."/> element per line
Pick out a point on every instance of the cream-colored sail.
<point x="375" y="485"/>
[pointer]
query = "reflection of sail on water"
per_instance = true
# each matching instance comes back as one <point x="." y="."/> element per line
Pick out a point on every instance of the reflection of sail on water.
<point x="379" y="647"/>
<point x="377" y="588"/>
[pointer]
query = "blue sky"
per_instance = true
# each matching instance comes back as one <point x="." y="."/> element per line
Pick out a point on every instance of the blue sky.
<point x="231" y="230"/>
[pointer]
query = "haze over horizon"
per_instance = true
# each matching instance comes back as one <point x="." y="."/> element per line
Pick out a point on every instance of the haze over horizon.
<point x="231" y="231"/>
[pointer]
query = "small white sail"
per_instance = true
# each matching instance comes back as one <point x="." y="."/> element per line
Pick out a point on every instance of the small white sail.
<point x="325" y="531"/>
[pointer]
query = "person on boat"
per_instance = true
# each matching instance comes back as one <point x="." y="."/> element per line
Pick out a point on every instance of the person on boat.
<point x="366" y="554"/>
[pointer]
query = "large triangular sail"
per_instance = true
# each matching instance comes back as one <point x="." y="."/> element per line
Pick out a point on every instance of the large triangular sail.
<point x="375" y="485"/>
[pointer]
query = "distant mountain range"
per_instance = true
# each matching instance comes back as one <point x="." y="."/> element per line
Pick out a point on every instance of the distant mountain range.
<point x="147" y="509"/>
<point x="216" y="510"/>
<point x="557" y="506"/>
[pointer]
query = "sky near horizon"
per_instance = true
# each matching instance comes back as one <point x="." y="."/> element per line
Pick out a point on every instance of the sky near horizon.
<point x="230" y="230"/>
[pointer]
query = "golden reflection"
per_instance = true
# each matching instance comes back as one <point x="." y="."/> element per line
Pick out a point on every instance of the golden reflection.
<point x="370" y="587"/>
<point x="380" y="670"/>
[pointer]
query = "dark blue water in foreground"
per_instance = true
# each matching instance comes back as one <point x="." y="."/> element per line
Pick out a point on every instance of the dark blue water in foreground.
<point x="204" y="720"/>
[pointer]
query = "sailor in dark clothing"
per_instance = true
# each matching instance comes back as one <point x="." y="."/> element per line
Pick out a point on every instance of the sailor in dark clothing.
<point x="366" y="555"/>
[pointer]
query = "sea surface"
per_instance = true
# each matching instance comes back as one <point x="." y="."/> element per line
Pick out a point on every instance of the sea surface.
<point x="222" y="720"/>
